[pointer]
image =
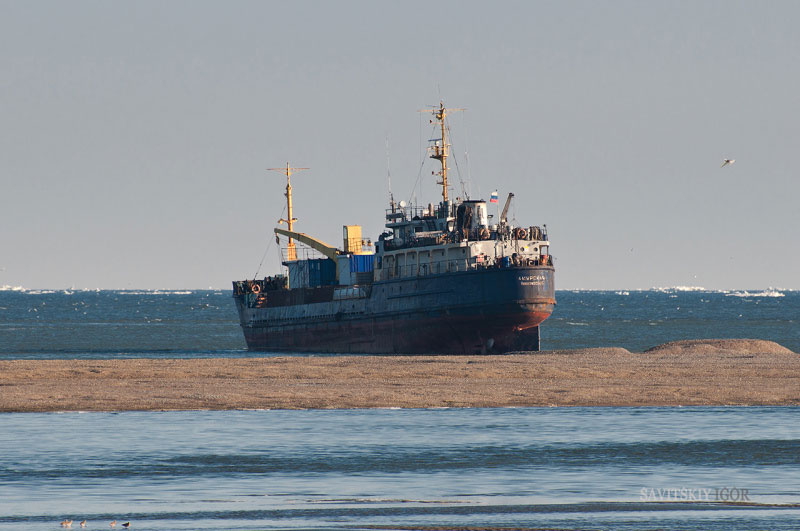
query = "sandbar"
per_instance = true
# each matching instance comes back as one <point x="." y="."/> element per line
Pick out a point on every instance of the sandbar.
<point x="683" y="373"/>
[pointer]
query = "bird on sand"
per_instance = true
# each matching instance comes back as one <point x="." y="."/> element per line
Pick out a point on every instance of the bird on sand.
<point x="66" y="523"/>
<point x="83" y="523"/>
<point x="726" y="162"/>
<point x="126" y="525"/>
<point x="113" y="523"/>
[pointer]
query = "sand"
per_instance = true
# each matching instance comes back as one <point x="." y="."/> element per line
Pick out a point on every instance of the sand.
<point x="703" y="372"/>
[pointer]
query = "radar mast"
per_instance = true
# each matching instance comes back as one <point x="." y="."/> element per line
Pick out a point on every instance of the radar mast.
<point x="440" y="149"/>
<point x="291" y="252"/>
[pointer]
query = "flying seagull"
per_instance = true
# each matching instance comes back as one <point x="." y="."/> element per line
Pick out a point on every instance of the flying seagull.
<point x="727" y="161"/>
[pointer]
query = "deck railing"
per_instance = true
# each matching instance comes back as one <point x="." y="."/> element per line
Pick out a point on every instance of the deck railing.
<point x="452" y="266"/>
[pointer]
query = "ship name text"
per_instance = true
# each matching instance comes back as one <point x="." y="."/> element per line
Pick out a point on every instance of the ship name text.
<point x="531" y="280"/>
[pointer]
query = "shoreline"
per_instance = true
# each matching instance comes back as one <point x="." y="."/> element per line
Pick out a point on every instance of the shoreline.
<point x="683" y="373"/>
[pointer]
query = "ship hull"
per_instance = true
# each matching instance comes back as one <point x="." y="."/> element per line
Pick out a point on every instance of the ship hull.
<point x="474" y="312"/>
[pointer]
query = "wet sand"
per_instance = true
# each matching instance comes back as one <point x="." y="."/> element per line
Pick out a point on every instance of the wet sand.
<point x="707" y="372"/>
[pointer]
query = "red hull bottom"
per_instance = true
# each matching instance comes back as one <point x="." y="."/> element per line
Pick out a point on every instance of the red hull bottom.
<point x="513" y="328"/>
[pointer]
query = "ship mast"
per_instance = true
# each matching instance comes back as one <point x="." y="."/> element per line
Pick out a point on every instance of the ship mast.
<point x="291" y="251"/>
<point x="440" y="150"/>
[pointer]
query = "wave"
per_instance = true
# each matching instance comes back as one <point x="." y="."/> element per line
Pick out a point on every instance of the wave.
<point x="65" y="291"/>
<point x="47" y="291"/>
<point x="72" y="291"/>
<point x="6" y="287"/>
<point x="628" y="291"/>
<point x="673" y="289"/>
<point x="154" y="292"/>
<point x="766" y="293"/>
<point x="709" y="454"/>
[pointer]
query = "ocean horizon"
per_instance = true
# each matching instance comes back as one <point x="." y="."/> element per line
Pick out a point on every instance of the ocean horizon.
<point x="91" y="324"/>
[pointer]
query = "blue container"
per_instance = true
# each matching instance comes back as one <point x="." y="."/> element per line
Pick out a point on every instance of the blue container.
<point x="321" y="272"/>
<point x="506" y="261"/>
<point x="362" y="263"/>
<point x="328" y="272"/>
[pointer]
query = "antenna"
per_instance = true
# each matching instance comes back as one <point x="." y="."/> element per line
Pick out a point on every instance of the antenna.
<point x="466" y="186"/>
<point x="291" y="252"/>
<point x="389" y="174"/>
<point x="466" y="158"/>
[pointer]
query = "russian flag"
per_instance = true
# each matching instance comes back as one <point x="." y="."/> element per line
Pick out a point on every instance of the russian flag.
<point x="493" y="198"/>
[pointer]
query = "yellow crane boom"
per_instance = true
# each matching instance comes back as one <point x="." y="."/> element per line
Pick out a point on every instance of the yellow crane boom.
<point x="328" y="250"/>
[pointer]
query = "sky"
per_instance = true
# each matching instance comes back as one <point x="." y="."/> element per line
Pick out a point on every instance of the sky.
<point x="135" y="137"/>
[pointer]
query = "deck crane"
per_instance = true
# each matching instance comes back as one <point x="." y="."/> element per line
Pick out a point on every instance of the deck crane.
<point x="504" y="215"/>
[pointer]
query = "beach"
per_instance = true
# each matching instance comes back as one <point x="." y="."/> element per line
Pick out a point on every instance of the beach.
<point x="707" y="372"/>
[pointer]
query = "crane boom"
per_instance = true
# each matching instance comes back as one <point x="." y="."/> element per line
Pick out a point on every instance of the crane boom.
<point x="328" y="250"/>
<point x="504" y="215"/>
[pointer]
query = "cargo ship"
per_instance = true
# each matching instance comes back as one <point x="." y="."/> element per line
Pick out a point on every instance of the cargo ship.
<point x="442" y="279"/>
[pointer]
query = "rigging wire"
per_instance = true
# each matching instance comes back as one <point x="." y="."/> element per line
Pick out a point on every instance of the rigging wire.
<point x="466" y="157"/>
<point x="422" y="152"/>
<point x="421" y="164"/>
<point x="269" y="245"/>
<point x="513" y="214"/>
<point x="422" y="160"/>
<point x="419" y="175"/>
<point x="455" y="160"/>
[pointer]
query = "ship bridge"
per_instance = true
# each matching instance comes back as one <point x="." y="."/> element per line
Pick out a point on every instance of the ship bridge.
<point x="458" y="235"/>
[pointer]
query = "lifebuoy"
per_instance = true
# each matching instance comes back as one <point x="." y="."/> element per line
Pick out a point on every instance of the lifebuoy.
<point x="255" y="288"/>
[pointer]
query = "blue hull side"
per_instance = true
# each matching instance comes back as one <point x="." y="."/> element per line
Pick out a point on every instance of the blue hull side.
<point x="484" y="311"/>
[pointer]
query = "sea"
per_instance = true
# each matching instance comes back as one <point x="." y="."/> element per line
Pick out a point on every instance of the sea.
<point x="652" y="468"/>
